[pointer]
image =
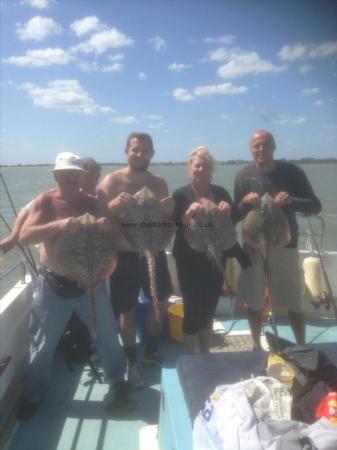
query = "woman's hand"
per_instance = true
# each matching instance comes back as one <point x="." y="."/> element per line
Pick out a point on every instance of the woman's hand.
<point x="224" y="208"/>
<point x="193" y="210"/>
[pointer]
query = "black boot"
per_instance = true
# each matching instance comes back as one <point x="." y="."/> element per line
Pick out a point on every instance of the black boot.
<point x="121" y="404"/>
<point x="27" y="409"/>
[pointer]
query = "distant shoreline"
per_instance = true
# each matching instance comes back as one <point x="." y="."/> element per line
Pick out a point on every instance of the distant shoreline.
<point x="184" y="163"/>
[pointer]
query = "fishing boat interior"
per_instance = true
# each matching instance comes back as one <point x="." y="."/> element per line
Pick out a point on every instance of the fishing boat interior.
<point x="73" y="415"/>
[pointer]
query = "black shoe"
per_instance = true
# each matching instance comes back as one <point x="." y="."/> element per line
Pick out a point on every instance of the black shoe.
<point x="27" y="409"/>
<point x="121" y="405"/>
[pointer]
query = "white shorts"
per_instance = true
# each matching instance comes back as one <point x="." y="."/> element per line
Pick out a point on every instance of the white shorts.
<point x="287" y="280"/>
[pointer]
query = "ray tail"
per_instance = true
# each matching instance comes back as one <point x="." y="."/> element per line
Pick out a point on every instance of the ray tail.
<point x="92" y="297"/>
<point x="151" y="264"/>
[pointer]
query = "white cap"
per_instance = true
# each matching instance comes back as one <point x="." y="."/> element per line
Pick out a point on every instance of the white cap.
<point x="68" y="161"/>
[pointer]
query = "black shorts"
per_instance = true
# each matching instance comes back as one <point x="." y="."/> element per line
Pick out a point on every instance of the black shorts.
<point x="131" y="275"/>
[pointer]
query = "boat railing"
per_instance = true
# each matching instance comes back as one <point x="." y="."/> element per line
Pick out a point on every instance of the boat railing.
<point x="19" y="264"/>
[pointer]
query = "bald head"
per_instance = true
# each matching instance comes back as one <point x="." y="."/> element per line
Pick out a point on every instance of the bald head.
<point x="265" y="135"/>
<point x="262" y="146"/>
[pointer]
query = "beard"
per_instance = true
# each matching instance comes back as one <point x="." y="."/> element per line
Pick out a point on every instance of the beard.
<point x="141" y="167"/>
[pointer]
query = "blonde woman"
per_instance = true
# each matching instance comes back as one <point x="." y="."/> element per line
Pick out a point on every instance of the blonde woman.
<point x="200" y="283"/>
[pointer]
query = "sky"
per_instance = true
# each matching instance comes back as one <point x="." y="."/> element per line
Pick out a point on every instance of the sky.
<point x="81" y="75"/>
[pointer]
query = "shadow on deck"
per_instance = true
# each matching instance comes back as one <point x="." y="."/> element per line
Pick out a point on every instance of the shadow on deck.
<point x="73" y="415"/>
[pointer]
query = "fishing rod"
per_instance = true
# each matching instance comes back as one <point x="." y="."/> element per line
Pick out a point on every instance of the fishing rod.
<point x="325" y="275"/>
<point x="31" y="262"/>
<point x="31" y="258"/>
<point x="8" y="195"/>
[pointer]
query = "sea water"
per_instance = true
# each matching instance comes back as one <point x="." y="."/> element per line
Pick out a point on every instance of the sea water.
<point x="24" y="183"/>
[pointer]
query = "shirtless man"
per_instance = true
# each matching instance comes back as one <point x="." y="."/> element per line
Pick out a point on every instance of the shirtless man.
<point x="89" y="182"/>
<point x="56" y="297"/>
<point x="115" y="192"/>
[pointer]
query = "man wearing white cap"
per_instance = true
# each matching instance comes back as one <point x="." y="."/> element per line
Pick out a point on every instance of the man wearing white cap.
<point x="56" y="297"/>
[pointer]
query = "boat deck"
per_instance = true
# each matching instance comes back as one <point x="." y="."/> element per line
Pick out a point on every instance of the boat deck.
<point x="73" y="416"/>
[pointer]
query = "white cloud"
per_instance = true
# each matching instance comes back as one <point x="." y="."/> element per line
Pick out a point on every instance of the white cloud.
<point x="158" y="44"/>
<point x="219" y="54"/>
<point x="85" y="25"/>
<point x="273" y="117"/>
<point x="301" y="51"/>
<point x="310" y="91"/>
<point x="244" y="63"/>
<point x="182" y="95"/>
<point x="153" y="117"/>
<point x="222" y="40"/>
<point x="175" y="67"/>
<point x="185" y="95"/>
<point x="126" y="120"/>
<point x="116" y="57"/>
<point x="37" y="28"/>
<point x="40" y="58"/>
<point x="292" y="52"/>
<point x="115" y="67"/>
<point x="39" y="4"/>
<point x="155" y="126"/>
<point x="318" y="103"/>
<point x="304" y="68"/>
<point x="95" y="67"/>
<point x="89" y="66"/>
<point x="218" y="89"/>
<point x="323" y="50"/>
<point x="225" y="116"/>
<point x="65" y="95"/>
<point x="102" y="41"/>
<point x="142" y="76"/>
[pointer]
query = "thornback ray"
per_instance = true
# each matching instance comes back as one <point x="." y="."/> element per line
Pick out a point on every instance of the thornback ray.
<point x="266" y="227"/>
<point x="211" y="232"/>
<point x="86" y="252"/>
<point x="148" y="231"/>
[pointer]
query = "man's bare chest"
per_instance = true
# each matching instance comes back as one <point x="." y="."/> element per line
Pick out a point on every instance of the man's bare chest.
<point x="61" y="209"/>
<point x="132" y="187"/>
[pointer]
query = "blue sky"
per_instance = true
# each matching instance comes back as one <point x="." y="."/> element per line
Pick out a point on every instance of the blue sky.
<point x="81" y="75"/>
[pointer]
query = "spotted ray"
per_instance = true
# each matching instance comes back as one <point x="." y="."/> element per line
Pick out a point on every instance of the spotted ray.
<point x="211" y="233"/>
<point x="148" y="232"/>
<point x="266" y="227"/>
<point x="86" y="252"/>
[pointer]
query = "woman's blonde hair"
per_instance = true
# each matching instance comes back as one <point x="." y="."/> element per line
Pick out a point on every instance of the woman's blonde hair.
<point x="202" y="152"/>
